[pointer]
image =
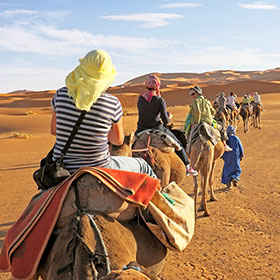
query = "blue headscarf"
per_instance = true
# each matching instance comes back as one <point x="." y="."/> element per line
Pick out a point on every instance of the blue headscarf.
<point x="231" y="130"/>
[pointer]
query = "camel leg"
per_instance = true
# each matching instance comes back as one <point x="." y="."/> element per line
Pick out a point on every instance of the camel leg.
<point x="244" y="125"/>
<point x="195" y="161"/>
<point x="204" y="190"/>
<point x="208" y="160"/>
<point x="196" y="191"/>
<point x="208" y="168"/>
<point x="212" y="194"/>
<point x="258" y="121"/>
<point x="247" y="125"/>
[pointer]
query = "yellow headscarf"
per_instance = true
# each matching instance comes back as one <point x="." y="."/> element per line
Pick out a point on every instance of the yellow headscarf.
<point x="90" y="79"/>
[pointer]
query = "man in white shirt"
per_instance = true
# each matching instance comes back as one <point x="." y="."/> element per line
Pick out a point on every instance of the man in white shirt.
<point x="231" y="100"/>
<point x="257" y="98"/>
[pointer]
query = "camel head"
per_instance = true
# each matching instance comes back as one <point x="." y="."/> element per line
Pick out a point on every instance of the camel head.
<point x="125" y="148"/>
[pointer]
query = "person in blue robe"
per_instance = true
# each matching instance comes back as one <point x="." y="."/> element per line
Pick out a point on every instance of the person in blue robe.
<point x="232" y="168"/>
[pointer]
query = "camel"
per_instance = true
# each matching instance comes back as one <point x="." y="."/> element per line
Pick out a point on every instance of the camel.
<point x="245" y="114"/>
<point x="203" y="156"/>
<point x="222" y="116"/>
<point x="167" y="165"/>
<point x="233" y="117"/>
<point x="257" y="116"/>
<point x="97" y="232"/>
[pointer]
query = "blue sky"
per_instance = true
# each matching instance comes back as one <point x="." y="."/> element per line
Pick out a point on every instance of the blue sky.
<point x="41" y="41"/>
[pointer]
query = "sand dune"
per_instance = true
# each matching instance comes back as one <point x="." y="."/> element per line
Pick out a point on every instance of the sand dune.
<point x="240" y="240"/>
<point x="174" y="88"/>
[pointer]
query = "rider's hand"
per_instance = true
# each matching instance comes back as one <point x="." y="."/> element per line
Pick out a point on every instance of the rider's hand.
<point x="170" y="116"/>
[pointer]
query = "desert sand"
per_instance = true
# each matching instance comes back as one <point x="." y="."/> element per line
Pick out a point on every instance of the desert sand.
<point x="240" y="240"/>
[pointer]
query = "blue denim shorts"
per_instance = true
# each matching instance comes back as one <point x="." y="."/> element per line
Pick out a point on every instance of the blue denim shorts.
<point x="132" y="164"/>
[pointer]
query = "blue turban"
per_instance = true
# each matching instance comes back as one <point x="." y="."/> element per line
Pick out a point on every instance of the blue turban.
<point x="231" y="130"/>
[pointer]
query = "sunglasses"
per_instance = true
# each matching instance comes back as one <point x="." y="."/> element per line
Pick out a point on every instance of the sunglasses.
<point x="193" y="94"/>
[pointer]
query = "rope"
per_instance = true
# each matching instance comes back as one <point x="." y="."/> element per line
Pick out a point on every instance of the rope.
<point x="95" y="227"/>
<point x="144" y="149"/>
<point x="147" y="155"/>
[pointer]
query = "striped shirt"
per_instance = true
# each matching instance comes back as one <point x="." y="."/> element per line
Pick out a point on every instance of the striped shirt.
<point x="90" y="145"/>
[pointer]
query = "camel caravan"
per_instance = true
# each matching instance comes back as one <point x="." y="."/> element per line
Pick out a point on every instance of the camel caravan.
<point x="229" y="111"/>
<point x="112" y="224"/>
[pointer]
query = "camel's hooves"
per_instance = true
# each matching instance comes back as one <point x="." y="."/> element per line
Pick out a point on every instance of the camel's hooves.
<point x="206" y="214"/>
<point x="200" y="209"/>
<point x="214" y="198"/>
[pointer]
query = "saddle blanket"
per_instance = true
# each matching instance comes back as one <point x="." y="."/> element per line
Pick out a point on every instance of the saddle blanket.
<point x="26" y="240"/>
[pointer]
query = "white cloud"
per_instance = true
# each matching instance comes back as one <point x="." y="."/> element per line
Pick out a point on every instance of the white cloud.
<point x="181" y="5"/>
<point x="149" y="19"/>
<point x="49" y="40"/>
<point x="258" y="6"/>
<point x="226" y="58"/>
<point x="7" y="4"/>
<point x="17" y="12"/>
<point x="32" y="15"/>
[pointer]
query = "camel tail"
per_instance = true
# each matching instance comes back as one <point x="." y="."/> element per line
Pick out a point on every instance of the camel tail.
<point x="205" y="144"/>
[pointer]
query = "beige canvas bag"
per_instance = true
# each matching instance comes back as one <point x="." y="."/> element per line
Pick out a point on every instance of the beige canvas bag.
<point x="174" y="222"/>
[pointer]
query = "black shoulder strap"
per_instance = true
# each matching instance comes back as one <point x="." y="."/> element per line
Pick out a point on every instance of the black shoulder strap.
<point x="73" y="133"/>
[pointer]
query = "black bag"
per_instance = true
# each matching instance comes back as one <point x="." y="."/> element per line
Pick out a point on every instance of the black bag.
<point x="51" y="173"/>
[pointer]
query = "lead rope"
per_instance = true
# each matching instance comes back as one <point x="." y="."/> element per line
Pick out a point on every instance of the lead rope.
<point x="97" y="231"/>
<point x="149" y="155"/>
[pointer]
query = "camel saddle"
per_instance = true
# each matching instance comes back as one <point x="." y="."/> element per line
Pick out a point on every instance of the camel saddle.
<point x="159" y="139"/>
<point x="205" y="132"/>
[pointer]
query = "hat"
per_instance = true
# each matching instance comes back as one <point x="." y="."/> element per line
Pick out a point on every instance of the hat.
<point x="231" y="130"/>
<point x="152" y="82"/>
<point x="197" y="89"/>
<point x="90" y="78"/>
<point x="222" y="93"/>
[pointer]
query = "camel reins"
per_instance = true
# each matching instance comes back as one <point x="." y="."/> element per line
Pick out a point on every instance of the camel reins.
<point x="94" y="257"/>
<point x="147" y="153"/>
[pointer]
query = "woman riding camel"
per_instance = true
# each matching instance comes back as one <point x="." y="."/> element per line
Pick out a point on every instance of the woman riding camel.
<point x="202" y="111"/>
<point x="246" y="102"/>
<point x="152" y="114"/>
<point x="85" y="90"/>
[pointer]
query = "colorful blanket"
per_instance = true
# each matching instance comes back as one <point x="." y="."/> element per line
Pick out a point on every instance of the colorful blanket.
<point x="27" y="238"/>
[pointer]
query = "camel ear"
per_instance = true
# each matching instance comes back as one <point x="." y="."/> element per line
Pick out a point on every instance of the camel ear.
<point x="129" y="139"/>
